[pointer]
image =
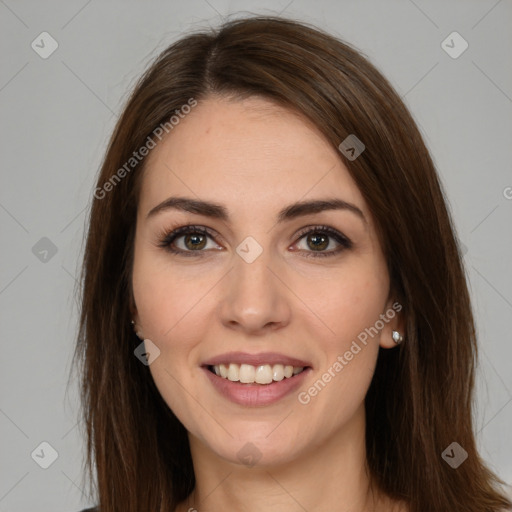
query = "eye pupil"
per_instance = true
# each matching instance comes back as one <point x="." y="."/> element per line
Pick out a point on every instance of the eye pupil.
<point x="319" y="241"/>
<point x="194" y="238"/>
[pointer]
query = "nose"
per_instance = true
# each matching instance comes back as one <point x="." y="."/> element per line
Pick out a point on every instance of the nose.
<point x="255" y="298"/>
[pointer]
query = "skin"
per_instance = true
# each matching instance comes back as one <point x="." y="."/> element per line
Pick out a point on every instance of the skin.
<point x="255" y="158"/>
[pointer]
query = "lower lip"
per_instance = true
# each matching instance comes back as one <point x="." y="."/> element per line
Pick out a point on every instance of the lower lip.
<point x="256" y="394"/>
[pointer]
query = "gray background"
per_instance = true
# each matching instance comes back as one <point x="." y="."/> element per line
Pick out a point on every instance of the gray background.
<point x="57" y="114"/>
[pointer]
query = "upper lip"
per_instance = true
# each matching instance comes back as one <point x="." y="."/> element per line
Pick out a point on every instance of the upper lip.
<point x="256" y="359"/>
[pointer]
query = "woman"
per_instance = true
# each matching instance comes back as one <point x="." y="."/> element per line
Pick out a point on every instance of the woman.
<point x="274" y="311"/>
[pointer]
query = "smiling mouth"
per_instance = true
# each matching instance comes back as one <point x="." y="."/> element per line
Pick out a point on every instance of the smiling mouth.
<point x="261" y="374"/>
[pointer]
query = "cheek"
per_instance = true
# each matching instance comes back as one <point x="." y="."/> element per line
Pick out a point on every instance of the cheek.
<point x="349" y="349"/>
<point x="175" y="313"/>
<point x="350" y="305"/>
<point x="172" y="314"/>
<point x="349" y="301"/>
<point x="166" y="298"/>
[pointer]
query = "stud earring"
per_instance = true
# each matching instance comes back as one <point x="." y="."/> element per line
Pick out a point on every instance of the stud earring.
<point x="137" y="333"/>
<point x="397" y="337"/>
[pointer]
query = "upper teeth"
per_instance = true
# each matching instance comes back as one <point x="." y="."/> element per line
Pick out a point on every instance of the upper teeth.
<point x="248" y="374"/>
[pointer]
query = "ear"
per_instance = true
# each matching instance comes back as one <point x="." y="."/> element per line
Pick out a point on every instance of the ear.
<point x="133" y="310"/>
<point x="135" y="319"/>
<point x="134" y="315"/>
<point x="394" y="320"/>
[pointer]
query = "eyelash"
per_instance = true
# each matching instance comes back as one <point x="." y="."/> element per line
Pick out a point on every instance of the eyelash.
<point x="167" y="238"/>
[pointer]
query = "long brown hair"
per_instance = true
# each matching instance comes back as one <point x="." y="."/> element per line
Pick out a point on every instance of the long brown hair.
<point x="421" y="396"/>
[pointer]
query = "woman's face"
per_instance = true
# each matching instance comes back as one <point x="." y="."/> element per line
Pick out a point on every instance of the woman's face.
<point x="270" y="284"/>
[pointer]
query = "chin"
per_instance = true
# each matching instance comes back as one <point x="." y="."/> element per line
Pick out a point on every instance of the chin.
<point x="257" y="451"/>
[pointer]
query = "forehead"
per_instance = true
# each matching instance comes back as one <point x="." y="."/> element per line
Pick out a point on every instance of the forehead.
<point x="248" y="154"/>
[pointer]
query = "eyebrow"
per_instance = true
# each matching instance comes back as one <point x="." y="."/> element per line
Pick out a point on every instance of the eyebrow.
<point x="218" y="211"/>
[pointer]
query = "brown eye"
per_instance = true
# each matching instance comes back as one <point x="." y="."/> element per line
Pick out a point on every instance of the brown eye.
<point x="318" y="239"/>
<point x="318" y="242"/>
<point x="194" y="241"/>
<point x="187" y="241"/>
